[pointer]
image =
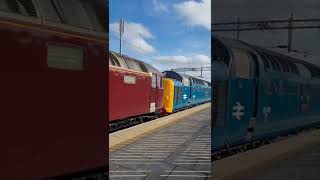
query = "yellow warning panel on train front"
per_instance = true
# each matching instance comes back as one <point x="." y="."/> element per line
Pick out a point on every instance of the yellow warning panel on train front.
<point x="168" y="94"/>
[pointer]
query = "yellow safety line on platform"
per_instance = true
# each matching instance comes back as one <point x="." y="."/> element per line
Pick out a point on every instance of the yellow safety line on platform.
<point x="120" y="139"/>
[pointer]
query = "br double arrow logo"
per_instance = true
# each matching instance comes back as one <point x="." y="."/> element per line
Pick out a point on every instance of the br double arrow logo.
<point x="184" y="96"/>
<point x="238" y="110"/>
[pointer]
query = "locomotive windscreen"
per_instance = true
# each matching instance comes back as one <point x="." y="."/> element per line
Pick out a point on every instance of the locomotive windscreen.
<point x="172" y="75"/>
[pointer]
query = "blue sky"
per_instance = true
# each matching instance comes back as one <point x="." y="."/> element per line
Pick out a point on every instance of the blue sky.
<point x="165" y="33"/>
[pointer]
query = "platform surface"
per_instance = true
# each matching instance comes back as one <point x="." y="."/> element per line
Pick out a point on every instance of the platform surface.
<point x="141" y="130"/>
<point x="297" y="157"/>
<point x="303" y="165"/>
<point x="178" y="151"/>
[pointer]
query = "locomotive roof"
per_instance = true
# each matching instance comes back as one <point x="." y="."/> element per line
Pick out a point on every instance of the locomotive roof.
<point x="179" y="76"/>
<point x="196" y="78"/>
<point x="149" y="67"/>
<point x="233" y="43"/>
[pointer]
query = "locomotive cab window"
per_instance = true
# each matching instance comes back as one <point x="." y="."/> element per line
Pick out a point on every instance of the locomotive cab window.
<point x="161" y="82"/>
<point x="242" y="64"/>
<point x="175" y="94"/>
<point x="186" y="82"/>
<point x="178" y="93"/>
<point x="154" y="81"/>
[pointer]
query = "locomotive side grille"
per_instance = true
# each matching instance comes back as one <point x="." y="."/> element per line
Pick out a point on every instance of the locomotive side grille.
<point x="23" y="7"/>
<point x="28" y="5"/>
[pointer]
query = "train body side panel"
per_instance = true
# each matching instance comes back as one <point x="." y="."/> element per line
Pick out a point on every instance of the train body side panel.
<point x="200" y="94"/>
<point x="239" y="110"/>
<point x="205" y="94"/>
<point x="53" y="120"/>
<point x="280" y="95"/>
<point x="238" y="113"/>
<point x="283" y="97"/>
<point x="129" y="93"/>
<point x="276" y="96"/>
<point x="181" y="92"/>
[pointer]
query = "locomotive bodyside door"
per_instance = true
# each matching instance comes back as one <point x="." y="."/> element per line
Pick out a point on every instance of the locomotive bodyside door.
<point x="241" y="97"/>
<point x="234" y="95"/>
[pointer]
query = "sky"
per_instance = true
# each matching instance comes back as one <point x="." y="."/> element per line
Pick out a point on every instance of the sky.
<point x="164" y="33"/>
<point x="249" y="10"/>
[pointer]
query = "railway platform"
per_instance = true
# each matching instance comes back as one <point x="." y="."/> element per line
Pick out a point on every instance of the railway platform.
<point x="293" y="158"/>
<point x="303" y="165"/>
<point x="175" y="147"/>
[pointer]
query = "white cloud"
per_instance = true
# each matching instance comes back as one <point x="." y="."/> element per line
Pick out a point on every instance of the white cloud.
<point x="195" y="13"/>
<point x="202" y="59"/>
<point x="135" y="37"/>
<point x="173" y="59"/>
<point x="159" y="7"/>
<point x="183" y="61"/>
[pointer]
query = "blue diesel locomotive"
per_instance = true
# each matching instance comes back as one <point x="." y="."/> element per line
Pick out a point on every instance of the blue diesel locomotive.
<point x="182" y="91"/>
<point x="259" y="94"/>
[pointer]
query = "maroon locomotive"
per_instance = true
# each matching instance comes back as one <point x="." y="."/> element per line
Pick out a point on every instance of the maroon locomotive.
<point x="53" y="88"/>
<point x="135" y="88"/>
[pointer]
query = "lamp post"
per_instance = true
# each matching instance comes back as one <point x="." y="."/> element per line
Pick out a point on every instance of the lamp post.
<point x="121" y="31"/>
